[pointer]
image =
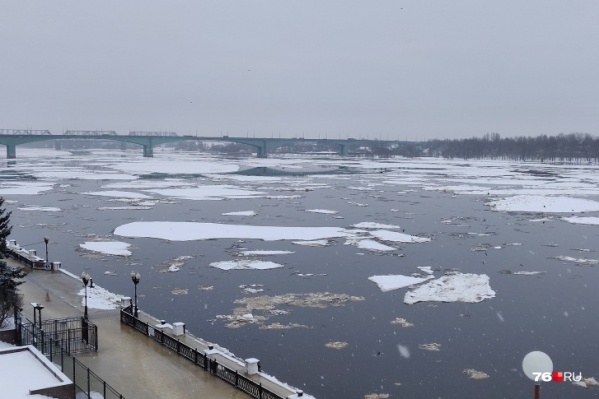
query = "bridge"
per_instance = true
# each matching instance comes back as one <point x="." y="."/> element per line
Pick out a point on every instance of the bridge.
<point x="148" y="140"/>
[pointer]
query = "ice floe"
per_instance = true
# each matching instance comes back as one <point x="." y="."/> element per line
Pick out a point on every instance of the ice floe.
<point x="370" y="245"/>
<point x="312" y="243"/>
<point x="24" y="188"/>
<point x="591" y="220"/>
<point x="475" y="374"/>
<point x="323" y="211"/>
<point x="107" y="247"/>
<point x="394" y="236"/>
<point x="453" y="288"/>
<point x="393" y="282"/>
<point x="374" y="225"/>
<point x="208" y="193"/>
<point x="239" y="213"/>
<point x="244" y="264"/>
<point x="187" y="231"/>
<point x="579" y="261"/>
<point x="543" y="204"/>
<point x="435" y="347"/>
<point x="118" y="194"/>
<point x="31" y="208"/>
<point x="264" y="253"/>
<point x="336" y="345"/>
<point x="402" y="322"/>
<point x="268" y="306"/>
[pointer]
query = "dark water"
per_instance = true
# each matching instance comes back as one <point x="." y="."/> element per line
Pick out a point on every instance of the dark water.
<point x="555" y="312"/>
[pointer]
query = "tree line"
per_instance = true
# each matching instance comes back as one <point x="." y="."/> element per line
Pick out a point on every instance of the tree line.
<point x="574" y="147"/>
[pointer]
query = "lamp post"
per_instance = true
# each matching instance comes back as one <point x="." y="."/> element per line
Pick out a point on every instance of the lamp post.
<point x="85" y="278"/>
<point x="37" y="308"/>
<point x="135" y="277"/>
<point x="536" y="365"/>
<point x="46" y="240"/>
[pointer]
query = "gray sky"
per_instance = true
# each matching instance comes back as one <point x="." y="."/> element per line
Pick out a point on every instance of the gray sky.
<point x="378" y="69"/>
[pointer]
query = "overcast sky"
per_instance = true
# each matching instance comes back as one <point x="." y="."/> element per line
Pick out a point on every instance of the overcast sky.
<point x="379" y="69"/>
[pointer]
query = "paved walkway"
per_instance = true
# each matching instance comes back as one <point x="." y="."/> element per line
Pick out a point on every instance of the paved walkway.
<point x="134" y="365"/>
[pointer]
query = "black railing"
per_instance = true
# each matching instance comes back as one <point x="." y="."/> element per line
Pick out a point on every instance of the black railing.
<point x="241" y="382"/>
<point x="73" y="335"/>
<point x="58" y="340"/>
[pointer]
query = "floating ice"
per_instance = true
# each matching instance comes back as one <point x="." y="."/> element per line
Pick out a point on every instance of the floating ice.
<point x="187" y="231"/>
<point x="370" y="245"/>
<point x="39" y="208"/>
<point x="323" y="211"/>
<point x="592" y="220"/>
<point x="336" y="345"/>
<point x="118" y="194"/>
<point x="312" y="243"/>
<point x="580" y="261"/>
<point x="373" y="225"/>
<point x="393" y="282"/>
<point x="264" y="253"/>
<point x="239" y="213"/>
<point x="402" y="322"/>
<point x="245" y="264"/>
<point x="393" y="236"/>
<point x="24" y="188"/>
<point x="455" y="288"/>
<point x="208" y="193"/>
<point x="435" y="347"/>
<point x="475" y="374"/>
<point x="538" y="203"/>
<point x="107" y="247"/>
<point x="426" y="269"/>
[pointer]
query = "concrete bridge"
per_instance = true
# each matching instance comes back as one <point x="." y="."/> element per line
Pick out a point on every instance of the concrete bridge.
<point x="12" y="138"/>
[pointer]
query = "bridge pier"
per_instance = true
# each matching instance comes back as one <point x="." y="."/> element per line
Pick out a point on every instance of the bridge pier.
<point x="262" y="152"/>
<point x="343" y="150"/>
<point x="148" y="151"/>
<point x="11" y="151"/>
<point x="57" y="145"/>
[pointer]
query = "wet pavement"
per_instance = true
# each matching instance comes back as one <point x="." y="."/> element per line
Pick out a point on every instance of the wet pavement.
<point x="134" y="365"/>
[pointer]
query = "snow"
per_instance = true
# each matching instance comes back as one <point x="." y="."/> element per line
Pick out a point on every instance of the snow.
<point x="107" y="247"/>
<point x="240" y="213"/>
<point x="245" y="264"/>
<point x="454" y="288"/>
<point x="100" y="298"/>
<point x="22" y="371"/>
<point x="537" y="203"/>
<point x="393" y="282"/>
<point x="187" y="231"/>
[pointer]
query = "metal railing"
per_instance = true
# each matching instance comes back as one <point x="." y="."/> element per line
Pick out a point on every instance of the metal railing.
<point x="58" y="340"/>
<point x="72" y="335"/>
<point x="239" y="381"/>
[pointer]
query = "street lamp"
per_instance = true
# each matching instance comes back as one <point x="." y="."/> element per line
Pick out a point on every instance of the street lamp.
<point x="37" y="308"/>
<point x="46" y="240"/>
<point x="85" y="278"/>
<point x="135" y="277"/>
